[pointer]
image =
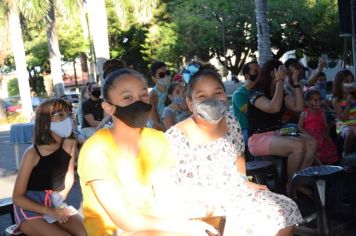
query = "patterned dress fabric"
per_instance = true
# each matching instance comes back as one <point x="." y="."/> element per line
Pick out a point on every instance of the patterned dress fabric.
<point x="210" y="172"/>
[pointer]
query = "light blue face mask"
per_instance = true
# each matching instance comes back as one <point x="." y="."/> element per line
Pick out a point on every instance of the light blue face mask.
<point x="178" y="100"/>
<point x="164" y="81"/>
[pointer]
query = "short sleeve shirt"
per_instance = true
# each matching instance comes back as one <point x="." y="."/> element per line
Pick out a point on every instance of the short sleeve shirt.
<point x="260" y="121"/>
<point x="92" y="107"/>
<point x="101" y="159"/>
<point x="240" y="100"/>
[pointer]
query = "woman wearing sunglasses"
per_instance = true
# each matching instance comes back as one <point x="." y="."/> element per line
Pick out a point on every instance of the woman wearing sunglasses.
<point x="162" y="79"/>
<point x="46" y="175"/>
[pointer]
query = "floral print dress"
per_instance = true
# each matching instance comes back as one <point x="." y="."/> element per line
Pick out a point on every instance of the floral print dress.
<point x="210" y="172"/>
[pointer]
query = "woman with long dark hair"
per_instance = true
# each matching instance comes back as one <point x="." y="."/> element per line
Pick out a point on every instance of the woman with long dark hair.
<point x="46" y="175"/>
<point x="268" y="103"/>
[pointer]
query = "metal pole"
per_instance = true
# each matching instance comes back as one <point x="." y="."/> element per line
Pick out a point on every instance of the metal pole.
<point x="353" y="5"/>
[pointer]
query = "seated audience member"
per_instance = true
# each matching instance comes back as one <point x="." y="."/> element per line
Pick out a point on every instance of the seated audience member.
<point x="162" y="79"/>
<point x="313" y="122"/>
<point x="93" y="113"/>
<point x="46" y="175"/>
<point x="178" y="78"/>
<point x="240" y="97"/>
<point x="296" y="69"/>
<point x="113" y="64"/>
<point x="176" y="108"/>
<point x="211" y="169"/>
<point x="268" y="103"/>
<point x="121" y="168"/>
<point x="344" y="102"/>
<point x="82" y="98"/>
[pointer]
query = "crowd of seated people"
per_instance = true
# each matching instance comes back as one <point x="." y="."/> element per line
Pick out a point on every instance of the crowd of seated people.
<point x="126" y="158"/>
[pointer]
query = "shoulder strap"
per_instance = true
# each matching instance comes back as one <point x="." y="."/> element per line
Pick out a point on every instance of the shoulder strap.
<point x="38" y="152"/>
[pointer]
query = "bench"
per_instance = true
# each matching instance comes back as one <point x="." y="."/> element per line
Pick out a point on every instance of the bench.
<point x="6" y="207"/>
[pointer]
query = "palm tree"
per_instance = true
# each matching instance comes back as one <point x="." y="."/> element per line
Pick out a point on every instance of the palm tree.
<point x="263" y="35"/>
<point x="98" y="25"/>
<point x="140" y="9"/>
<point x="45" y="9"/>
<point x="18" y="50"/>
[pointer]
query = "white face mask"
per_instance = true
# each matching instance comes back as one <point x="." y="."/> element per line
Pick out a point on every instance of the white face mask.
<point x="62" y="128"/>
<point x="164" y="81"/>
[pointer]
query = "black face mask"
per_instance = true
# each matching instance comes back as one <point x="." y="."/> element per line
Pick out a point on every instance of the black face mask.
<point x="96" y="93"/>
<point x="134" y="115"/>
<point x="253" y="77"/>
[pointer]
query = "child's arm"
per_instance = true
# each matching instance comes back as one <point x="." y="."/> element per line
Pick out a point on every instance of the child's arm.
<point x="168" y="120"/>
<point x="154" y="115"/>
<point x="301" y="122"/>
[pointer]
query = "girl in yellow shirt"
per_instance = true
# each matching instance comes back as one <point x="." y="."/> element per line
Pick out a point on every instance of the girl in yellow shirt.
<point x="119" y="167"/>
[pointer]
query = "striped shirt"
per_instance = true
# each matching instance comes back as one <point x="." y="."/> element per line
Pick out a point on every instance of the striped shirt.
<point x="351" y="120"/>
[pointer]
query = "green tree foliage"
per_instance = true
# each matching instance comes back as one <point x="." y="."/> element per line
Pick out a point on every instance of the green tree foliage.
<point x="127" y="43"/>
<point x="35" y="38"/>
<point x="187" y="28"/>
<point x="71" y="39"/>
<point x="221" y="29"/>
<point x="309" y="26"/>
<point x="13" y="87"/>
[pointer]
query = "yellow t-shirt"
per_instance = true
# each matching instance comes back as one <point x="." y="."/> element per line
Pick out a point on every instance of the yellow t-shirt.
<point x="100" y="158"/>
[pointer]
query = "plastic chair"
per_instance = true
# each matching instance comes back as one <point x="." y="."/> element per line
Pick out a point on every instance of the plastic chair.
<point x="321" y="179"/>
<point x="262" y="172"/>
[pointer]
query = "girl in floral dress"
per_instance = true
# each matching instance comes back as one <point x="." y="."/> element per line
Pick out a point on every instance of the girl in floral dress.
<point x="313" y="122"/>
<point x="210" y="167"/>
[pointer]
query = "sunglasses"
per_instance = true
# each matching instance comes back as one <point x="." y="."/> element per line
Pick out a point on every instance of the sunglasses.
<point x="164" y="74"/>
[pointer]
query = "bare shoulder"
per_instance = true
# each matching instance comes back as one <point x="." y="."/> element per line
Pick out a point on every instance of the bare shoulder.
<point x="184" y="124"/>
<point x="30" y="155"/>
<point x="69" y="143"/>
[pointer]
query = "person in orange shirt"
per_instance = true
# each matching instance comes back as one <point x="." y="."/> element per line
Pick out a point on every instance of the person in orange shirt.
<point x="120" y="168"/>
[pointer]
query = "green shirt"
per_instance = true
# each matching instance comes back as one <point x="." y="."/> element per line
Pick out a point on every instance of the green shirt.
<point x="239" y="101"/>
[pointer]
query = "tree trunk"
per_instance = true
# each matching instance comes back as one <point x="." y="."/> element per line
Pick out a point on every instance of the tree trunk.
<point x="98" y="26"/>
<point x="263" y="35"/>
<point x="54" y="53"/>
<point x="84" y="66"/>
<point x="18" y="50"/>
